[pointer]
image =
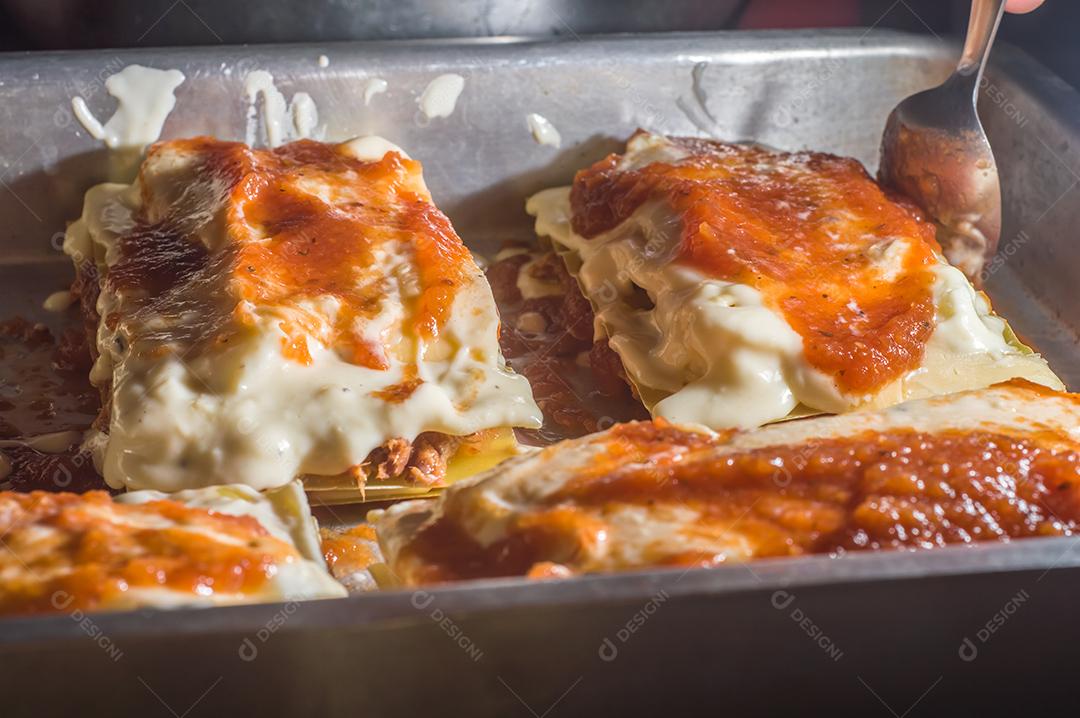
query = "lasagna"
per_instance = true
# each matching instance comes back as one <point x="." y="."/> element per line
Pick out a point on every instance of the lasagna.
<point x="205" y="547"/>
<point x="991" y="464"/>
<point x="305" y="311"/>
<point x="741" y="286"/>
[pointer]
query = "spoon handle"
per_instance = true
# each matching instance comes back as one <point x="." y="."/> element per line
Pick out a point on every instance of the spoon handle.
<point x="982" y="26"/>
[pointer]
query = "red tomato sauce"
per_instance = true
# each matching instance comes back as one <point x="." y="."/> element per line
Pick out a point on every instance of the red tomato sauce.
<point x="65" y="552"/>
<point x="891" y="490"/>
<point x="302" y="221"/>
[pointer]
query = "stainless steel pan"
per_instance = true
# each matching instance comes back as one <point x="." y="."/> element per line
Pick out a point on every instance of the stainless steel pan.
<point x="873" y="633"/>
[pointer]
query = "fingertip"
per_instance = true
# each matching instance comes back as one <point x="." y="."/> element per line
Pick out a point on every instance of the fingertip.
<point x="1022" y="6"/>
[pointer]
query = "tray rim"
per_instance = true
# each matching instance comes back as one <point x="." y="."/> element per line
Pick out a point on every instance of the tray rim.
<point x="488" y="596"/>
<point x="889" y="38"/>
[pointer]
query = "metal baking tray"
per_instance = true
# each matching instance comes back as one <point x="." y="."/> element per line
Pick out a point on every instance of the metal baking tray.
<point x="898" y="633"/>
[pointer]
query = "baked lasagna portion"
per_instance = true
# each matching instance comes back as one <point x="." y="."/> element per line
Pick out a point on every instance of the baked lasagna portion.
<point x="306" y="311"/>
<point x="991" y="464"/>
<point x="204" y="547"/>
<point x="740" y="285"/>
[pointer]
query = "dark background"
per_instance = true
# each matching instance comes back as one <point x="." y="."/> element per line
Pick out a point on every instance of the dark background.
<point x="1048" y="33"/>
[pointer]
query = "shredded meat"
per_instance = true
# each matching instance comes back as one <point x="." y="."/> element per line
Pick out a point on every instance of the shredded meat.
<point x="575" y="312"/>
<point x="421" y="462"/>
<point x="71" y="354"/>
<point x="430" y="454"/>
<point x="502" y="276"/>
<point x="86" y="289"/>
<point x="386" y="461"/>
<point x="44" y="389"/>
<point x="608" y="370"/>
<point x="71" y="470"/>
<point x="565" y="387"/>
<point x="25" y="332"/>
<point x="556" y="397"/>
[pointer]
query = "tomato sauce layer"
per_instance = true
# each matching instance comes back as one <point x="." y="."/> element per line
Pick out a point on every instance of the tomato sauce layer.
<point x="893" y="490"/>
<point x="812" y="232"/>
<point x="306" y="221"/>
<point x="67" y="551"/>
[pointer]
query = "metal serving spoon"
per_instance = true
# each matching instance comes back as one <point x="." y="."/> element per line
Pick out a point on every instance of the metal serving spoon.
<point x="935" y="151"/>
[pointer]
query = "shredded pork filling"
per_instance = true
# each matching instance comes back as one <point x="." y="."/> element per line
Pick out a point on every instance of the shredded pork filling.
<point x="548" y="335"/>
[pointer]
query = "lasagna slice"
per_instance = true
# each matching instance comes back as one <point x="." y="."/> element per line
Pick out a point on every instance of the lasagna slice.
<point x="205" y="547"/>
<point x="306" y="311"/>
<point x="740" y="285"/>
<point x="991" y="464"/>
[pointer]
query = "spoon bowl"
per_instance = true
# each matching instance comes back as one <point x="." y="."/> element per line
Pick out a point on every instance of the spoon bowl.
<point x="935" y="152"/>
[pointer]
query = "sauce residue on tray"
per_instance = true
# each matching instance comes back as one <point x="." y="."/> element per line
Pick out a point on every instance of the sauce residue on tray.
<point x="44" y="390"/>
<point x="43" y="381"/>
<point x="849" y="267"/>
<point x="68" y="551"/>
<point x="892" y="490"/>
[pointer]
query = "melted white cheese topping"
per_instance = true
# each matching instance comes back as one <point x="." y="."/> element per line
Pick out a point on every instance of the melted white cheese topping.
<point x="245" y="413"/>
<point x="707" y="351"/>
<point x="145" y="99"/>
